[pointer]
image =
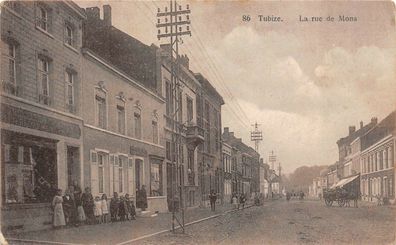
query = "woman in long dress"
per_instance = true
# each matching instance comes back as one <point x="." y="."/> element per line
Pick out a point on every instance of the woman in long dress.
<point x="59" y="217"/>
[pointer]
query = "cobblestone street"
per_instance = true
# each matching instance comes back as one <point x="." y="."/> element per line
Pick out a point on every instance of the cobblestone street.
<point x="307" y="222"/>
<point x="278" y="222"/>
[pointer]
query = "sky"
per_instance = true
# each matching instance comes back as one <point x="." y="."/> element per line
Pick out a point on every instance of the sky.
<point x="305" y="83"/>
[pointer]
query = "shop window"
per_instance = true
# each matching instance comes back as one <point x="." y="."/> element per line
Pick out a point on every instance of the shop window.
<point x="30" y="174"/>
<point x="156" y="179"/>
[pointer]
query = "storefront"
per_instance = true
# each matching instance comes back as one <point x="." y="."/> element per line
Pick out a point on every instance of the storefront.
<point x="40" y="152"/>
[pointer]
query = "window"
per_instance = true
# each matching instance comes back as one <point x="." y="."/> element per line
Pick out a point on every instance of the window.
<point x="42" y="18"/>
<point x="190" y="110"/>
<point x="168" y="150"/>
<point x="121" y="119"/>
<point x="180" y="107"/>
<point x="191" y="167"/>
<point x="154" y="126"/>
<point x="207" y="110"/>
<point x="69" y="35"/>
<point x="121" y="165"/>
<point x="101" y="111"/>
<point x="43" y="79"/>
<point x="69" y="81"/>
<point x="29" y="169"/>
<point x="101" y="161"/>
<point x="9" y="68"/>
<point x="138" y="125"/>
<point x="169" y="102"/>
<point x="156" y="179"/>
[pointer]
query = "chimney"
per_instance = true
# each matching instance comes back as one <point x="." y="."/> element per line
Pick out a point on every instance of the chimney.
<point x="226" y="130"/>
<point x="374" y="120"/>
<point x="185" y="61"/>
<point x="93" y="12"/>
<point x="361" y="124"/>
<point x="232" y="134"/>
<point x="352" y="129"/>
<point x="107" y="14"/>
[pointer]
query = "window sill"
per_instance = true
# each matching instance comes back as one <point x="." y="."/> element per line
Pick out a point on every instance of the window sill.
<point x="71" y="48"/>
<point x="45" y="32"/>
<point x="13" y="12"/>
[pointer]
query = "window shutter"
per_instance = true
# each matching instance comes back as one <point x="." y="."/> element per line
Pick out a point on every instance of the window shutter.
<point x="111" y="174"/>
<point x="115" y="174"/>
<point x="94" y="173"/>
<point x="131" y="179"/>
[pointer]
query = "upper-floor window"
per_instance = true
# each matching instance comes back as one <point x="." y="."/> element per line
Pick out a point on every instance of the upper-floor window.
<point x="180" y="107"/>
<point x="101" y="113"/>
<point x="207" y="110"/>
<point x="13" y="5"/>
<point x="168" y="96"/>
<point x="121" y="119"/>
<point x="69" y="81"/>
<point x="138" y="125"/>
<point x="43" y="79"/>
<point x="9" y="78"/>
<point x="69" y="35"/>
<point x="42" y="18"/>
<point x="190" y="110"/>
<point x="154" y="125"/>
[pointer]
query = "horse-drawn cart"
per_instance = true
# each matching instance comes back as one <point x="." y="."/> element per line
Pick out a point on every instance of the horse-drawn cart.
<point x="343" y="191"/>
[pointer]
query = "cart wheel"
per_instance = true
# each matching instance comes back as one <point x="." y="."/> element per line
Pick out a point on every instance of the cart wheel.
<point x="328" y="202"/>
<point x="341" y="202"/>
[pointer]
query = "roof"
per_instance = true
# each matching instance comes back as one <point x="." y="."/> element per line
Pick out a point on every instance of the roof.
<point x="125" y="52"/>
<point x="386" y="127"/>
<point x="209" y="87"/>
<point x="358" y="133"/>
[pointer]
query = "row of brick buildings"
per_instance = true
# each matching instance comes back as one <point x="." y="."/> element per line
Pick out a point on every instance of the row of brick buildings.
<point x="83" y="103"/>
<point x="369" y="154"/>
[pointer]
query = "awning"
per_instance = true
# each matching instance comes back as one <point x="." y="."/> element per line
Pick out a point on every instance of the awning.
<point x="343" y="182"/>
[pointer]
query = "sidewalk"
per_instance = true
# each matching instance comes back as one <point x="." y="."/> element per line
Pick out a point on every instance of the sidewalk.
<point x="114" y="233"/>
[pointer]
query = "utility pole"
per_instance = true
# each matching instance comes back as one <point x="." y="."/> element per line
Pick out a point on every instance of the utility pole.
<point x="174" y="23"/>
<point x="256" y="136"/>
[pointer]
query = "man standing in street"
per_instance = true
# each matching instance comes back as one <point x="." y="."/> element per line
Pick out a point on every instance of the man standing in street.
<point x="212" y="198"/>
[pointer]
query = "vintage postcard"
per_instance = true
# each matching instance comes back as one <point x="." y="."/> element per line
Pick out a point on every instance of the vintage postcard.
<point x="197" y="122"/>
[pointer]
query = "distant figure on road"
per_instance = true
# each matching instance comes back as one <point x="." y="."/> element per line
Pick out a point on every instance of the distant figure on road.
<point x="212" y="198"/>
<point x="288" y="196"/>
<point x="242" y="200"/>
<point x="235" y="201"/>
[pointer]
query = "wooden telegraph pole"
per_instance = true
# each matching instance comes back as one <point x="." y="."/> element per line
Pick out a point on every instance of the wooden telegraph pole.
<point x="173" y="23"/>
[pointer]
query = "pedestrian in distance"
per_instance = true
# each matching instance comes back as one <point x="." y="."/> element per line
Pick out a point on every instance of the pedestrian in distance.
<point x="98" y="210"/>
<point x="242" y="200"/>
<point x="114" y="206"/>
<point x="105" y="209"/>
<point x="88" y="205"/>
<point x="59" y="216"/>
<point x="80" y="210"/>
<point x="235" y="201"/>
<point x="131" y="211"/>
<point x="212" y="199"/>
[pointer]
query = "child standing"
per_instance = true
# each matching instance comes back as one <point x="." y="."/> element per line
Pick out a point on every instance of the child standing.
<point x="98" y="209"/>
<point x="105" y="209"/>
<point x="235" y="201"/>
<point x="59" y="216"/>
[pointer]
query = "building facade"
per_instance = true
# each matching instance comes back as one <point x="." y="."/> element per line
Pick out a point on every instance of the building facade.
<point x="210" y="172"/>
<point x="182" y="132"/>
<point x="227" y="167"/>
<point x="123" y="115"/>
<point x="41" y="124"/>
<point x="244" y="159"/>
<point x="377" y="161"/>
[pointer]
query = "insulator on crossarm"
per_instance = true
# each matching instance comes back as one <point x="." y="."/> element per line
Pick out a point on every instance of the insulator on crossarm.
<point x="180" y="18"/>
<point x="180" y="7"/>
<point x="166" y="20"/>
<point x="187" y="17"/>
<point x="180" y="29"/>
<point x="188" y="6"/>
<point x="188" y="28"/>
<point x="159" y="21"/>
<point x="166" y="9"/>
<point x="166" y="29"/>
<point x="159" y="31"/>
<point x="159" y="10"/>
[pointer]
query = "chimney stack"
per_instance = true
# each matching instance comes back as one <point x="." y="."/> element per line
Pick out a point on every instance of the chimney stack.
<point x="352" y="129"/>
<point x="93" y="12"/>
<point x="361" y="124"/>
<point x="184" y="61"/>
<point x="107" y="14"/>
<point x="226" y="130"/>
<point x="374" y="120"/>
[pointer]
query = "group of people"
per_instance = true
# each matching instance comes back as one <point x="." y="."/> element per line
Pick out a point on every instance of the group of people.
<point x="300" y="195"/>
<point x="238" y="201"/>
<point x="74" y="207"/>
